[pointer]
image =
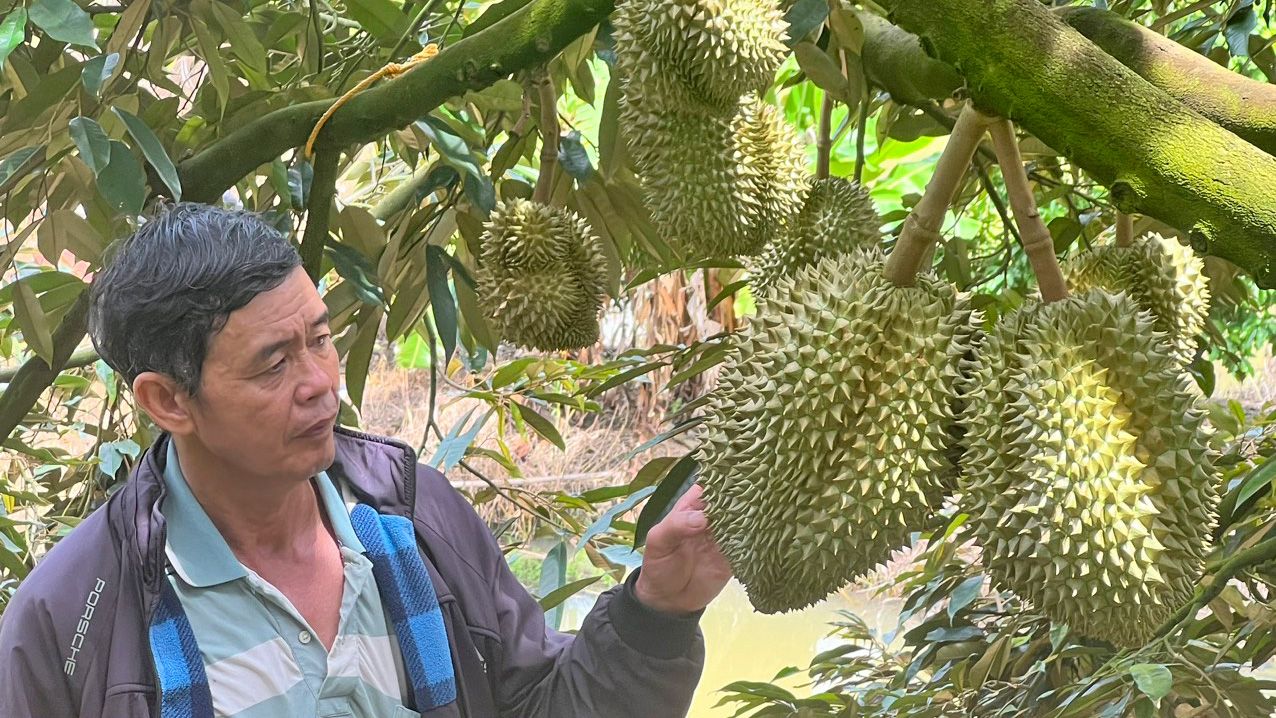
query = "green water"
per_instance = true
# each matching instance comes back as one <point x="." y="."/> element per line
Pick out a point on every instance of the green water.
<point x="743" y="645"/>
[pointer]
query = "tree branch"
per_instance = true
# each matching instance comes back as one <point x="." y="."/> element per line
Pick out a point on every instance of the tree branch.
<point x="35" y="376"/>
<point x="1158" y="157"/>
<point x="530" y="36"/>
<point x="323" y="188"/>
<point x="1244" y="106"/>
<point x="1256" y="555"/>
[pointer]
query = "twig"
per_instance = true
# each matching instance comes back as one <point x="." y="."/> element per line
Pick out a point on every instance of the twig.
<point x="859" y="142"/>
<point x="997" y="201"/>
<point x="549" y="140"/>
<point x="824" y="140"/>
<point x="1037" y="242"/>
<point x="1250" y="557"/>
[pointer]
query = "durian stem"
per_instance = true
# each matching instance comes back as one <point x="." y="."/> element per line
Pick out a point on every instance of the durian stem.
<point x="1037" y="241"/>
<point x="921" y="229"/>
<point x="323" y="189"/>
<point x="1256" y="555"/>
<point x="1124" y="230"/>
<point x="824" y="142"/>
<point x="549" y="140"/>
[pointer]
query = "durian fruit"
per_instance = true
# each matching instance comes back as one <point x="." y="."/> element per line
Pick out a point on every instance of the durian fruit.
<point x="837" y="217"/>
<point x="1161" y="275"/>
<point x="825" y="441"/>
<point x="719" y="49"/>
<point x="1087" y="472"/>
<point x="541" y="276"/>
<point x="718" y="185"/>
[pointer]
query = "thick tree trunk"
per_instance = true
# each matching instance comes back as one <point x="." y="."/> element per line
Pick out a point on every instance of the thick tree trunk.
<point x="1158" y="156"/>
<point x="1244" y="106"/>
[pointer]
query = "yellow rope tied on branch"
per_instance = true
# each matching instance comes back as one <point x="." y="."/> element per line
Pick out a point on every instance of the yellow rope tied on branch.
<point x="392" y="69"/>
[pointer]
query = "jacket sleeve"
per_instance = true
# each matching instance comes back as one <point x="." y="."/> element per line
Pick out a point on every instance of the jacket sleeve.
<point x="627" y="661"/>
<point x="32" y="682"/>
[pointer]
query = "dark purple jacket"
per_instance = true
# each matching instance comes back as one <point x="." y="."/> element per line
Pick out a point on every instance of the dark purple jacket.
<point x="73" y="641"/>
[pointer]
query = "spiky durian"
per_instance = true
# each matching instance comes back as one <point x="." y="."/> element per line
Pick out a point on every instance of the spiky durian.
<point x="825" y="439"/>
<point x="1087" y="473"/>
<point x="719" y="49"/>
<point x="1161" y="275"/>
<point x="837" y="217"/>
<point x="717" y="185"/>
<point x="541" y="276"/>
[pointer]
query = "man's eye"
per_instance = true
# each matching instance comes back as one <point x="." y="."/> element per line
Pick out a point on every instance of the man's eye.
<point x="277" y="367"/>
<point x="322" y="340"/>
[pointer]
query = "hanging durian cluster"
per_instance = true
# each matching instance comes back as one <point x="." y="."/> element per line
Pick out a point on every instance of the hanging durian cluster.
<point x="827" y="438"/>
<point x="541" y="276"/>
<point x="721" y="169"/>
<point x="837" y="217"/>
<point x="1161" y="275"/>
<point x="1087" y="472"/>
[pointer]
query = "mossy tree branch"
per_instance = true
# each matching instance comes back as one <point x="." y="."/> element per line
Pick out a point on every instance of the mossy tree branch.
<point x="1244" y="106"/>
<point x="1159" y="157"/>
<point x="528" y="37"/>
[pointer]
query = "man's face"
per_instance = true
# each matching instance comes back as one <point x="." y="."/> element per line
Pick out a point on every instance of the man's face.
<point x="268" y="397"/>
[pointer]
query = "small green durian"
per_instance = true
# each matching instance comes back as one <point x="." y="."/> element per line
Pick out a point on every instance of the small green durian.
<point x="541" y="276"/>
<point x="837" y="217"/>
<point x="1161" y="275"/>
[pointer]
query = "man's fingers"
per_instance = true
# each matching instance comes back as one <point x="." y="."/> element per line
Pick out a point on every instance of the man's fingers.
<point x="693" y="499"/>
<point x="678" y="526"/>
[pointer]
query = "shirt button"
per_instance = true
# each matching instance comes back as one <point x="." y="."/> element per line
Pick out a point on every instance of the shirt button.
<point x="304" y="637"/>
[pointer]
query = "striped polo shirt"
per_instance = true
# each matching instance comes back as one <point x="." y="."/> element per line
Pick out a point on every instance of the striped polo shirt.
<point x="262" y="658"/>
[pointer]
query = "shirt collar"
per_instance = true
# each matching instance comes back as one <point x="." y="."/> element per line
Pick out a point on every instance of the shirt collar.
<point x="196" y="549"/>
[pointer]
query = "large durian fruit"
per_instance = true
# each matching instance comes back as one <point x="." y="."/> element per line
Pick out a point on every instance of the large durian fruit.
<point x="837" y="217"/>
<point x="718" y="49"/>
<point x="721" y="170"/>
<point x="1088" y="473"/>
<point x="827" y="435"/>
<point x="541" y="276"/>
<point x="1161" y="275"/>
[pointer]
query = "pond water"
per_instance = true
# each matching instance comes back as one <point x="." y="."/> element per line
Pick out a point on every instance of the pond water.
<point x="744" y="645"/>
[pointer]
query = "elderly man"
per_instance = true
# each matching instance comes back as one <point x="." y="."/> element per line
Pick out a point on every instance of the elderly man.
<point x="260" y="562"/>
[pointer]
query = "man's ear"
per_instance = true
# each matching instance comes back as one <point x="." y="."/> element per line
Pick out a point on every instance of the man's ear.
<point x="167" y="403"/>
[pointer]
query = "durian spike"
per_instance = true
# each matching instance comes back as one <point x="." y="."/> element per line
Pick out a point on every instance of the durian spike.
<point x="921" y="228"/>
<point x="549" y="139"/>
<point x="1124" y="230"/>
<point x="1037" y="242"/>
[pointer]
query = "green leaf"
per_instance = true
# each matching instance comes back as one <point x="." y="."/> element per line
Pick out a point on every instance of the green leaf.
<point x="12" y="33"/>
<point x="64" y="21"/>
<point x="122" y="182"/>
<point x="91" y="140"/>
<point x="822" y="70"/>
<point x="572" y="156"/>
<point x="965" y="593"/>
<point x="1202" y="370"/>
<point x="97" y="70"/>
<point x="357" y="270"/>
<point x="453" y="148"/>
<point x="541" y="425"/>
<point x="1153" y="679"/>
<point x="442" y="305"/>
<point x="803" y="17"/>
<point x="359" y="358"/>
<point x="458" y="439"/>
<point x="31" y="319"/>
<point x="381" y="18"/>
<point x="244" y="44"/>
<point x="562" y="593"/>
<point x="675" y="483"/>
<point x="475" y="321"/>
<point x="1238" y="28"/>
<point x="18" y="164"/>
<point x="111" y="455"/>
<point x="553" y="576"/>
<point x="413" y="353"/>
<point x="624" y="376"/>
<point x="511" y="372"/>
<point x="1257" y="480"/>
<point x="603" y="522"/>
<point x="153" y="150"/>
